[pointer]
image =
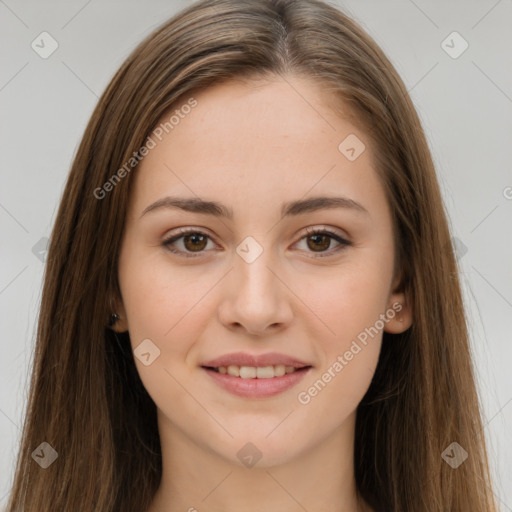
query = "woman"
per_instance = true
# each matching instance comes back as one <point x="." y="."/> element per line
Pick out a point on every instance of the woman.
<point x="251" y="300"/>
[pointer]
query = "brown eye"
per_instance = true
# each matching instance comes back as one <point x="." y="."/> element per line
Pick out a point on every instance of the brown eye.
<point x="195" y="242"/>
<point x="188" y="243"/>
<point x="320" y="242"/>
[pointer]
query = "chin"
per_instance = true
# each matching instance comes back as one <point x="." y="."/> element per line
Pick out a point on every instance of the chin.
<point x="262" y="450"/>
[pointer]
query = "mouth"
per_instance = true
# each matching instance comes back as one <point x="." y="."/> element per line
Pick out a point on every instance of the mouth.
<point x="256" y="382"/>
<point x="256" y="372"/>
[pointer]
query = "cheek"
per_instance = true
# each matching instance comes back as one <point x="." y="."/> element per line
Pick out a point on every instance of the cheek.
<point x="350" y="305"/>
<point x="158" y="298"/>
<point x="347" y="300"/>
<point x="338" y="388"/>
<point x="349" y="355"/>
<point x="163" y="305"/>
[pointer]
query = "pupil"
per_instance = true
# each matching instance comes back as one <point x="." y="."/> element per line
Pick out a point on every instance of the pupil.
<point x="194" y="246"/>
<point x="324" y="237"/>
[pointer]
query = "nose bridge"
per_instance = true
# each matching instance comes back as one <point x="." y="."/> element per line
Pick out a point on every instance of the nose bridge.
<point x="256" y="298"/>
<point x="251" y="272"/>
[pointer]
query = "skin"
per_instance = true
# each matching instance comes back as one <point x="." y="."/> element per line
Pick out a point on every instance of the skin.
<point x="253" y="146"/>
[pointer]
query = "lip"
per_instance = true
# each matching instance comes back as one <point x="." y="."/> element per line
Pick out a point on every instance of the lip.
<point x="257" y="388"/>
<point x="243" y="359"/>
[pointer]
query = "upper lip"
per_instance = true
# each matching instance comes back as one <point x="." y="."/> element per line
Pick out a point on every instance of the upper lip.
<point x="243" y="359"/>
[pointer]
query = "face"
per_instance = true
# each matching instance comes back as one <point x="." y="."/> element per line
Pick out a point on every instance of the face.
<point x="311" y="289"/>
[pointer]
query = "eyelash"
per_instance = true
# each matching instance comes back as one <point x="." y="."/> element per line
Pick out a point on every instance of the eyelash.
<point x="309" y="232"/>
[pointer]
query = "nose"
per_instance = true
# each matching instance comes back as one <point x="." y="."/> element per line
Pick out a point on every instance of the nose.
<point x="255" y="298"/>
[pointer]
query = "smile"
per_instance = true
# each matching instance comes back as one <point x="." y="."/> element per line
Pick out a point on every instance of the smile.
<point x="255" y="372"/>
<point x="256" y="382"/>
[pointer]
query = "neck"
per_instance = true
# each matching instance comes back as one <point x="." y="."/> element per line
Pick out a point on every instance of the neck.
<point x="196" y="478"/>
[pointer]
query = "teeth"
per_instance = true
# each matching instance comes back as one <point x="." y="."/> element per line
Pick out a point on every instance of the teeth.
<point x="260" y="372"/>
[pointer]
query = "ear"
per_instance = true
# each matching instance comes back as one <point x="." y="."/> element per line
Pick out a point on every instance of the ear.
<point x="120" y="324"/>
<point x="398" y="303"/>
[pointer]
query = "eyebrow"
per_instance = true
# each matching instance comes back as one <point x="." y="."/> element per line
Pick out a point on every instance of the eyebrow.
<point x="292" y="208"/>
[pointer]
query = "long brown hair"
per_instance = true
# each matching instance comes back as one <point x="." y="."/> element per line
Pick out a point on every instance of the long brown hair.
<point x="86" y="398"/>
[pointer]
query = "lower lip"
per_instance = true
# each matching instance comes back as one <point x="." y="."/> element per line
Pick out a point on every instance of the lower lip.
<point x="257" y="388"/>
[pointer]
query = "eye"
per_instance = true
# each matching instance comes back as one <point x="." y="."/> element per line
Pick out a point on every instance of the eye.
<point x="321" y="239"/>
<point x="195" y="242"/>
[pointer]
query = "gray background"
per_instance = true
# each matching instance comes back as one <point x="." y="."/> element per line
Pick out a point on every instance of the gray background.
<point x="465" y="104"/>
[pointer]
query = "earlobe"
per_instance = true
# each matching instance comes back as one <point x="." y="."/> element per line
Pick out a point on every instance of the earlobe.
<point x="399" y="309"/>
<point x="399" y="314"/>
<point x="117" y="320"/>
<point x="117" y="323"/>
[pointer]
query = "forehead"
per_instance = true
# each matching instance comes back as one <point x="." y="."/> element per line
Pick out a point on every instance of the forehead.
<point x="250" y="139"/>
<point x="277" y="111"/>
